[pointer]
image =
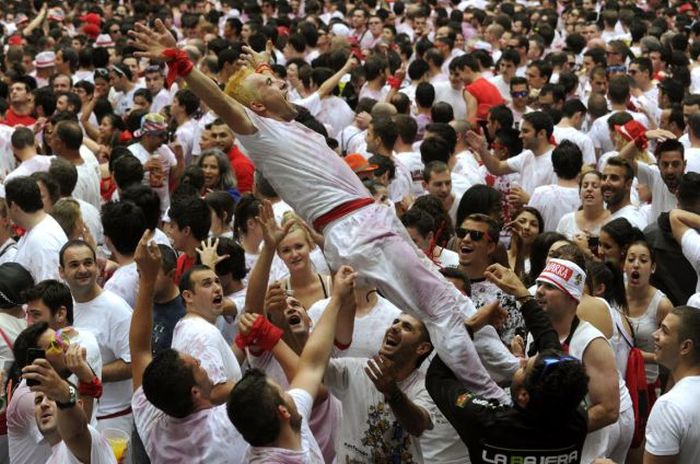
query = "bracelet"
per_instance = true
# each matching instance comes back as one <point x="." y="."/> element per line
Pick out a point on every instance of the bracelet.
<point x="263" y="334"/>
<point x="179" y="65"/>
<point x="92" y="389"/>
<point x="262" y="68"/>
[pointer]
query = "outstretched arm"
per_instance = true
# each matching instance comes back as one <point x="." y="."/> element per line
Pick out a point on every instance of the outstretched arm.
<point x="332" y="82"/>
<point x="153" y="42"/>
<point x="314" y="358"/>
<point x="478" y="144"/>
<point x="147" y="257"/>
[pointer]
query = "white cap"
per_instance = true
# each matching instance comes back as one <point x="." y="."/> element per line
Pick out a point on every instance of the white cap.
<point x="566" y="276"/>
<point x="45" y="60"/>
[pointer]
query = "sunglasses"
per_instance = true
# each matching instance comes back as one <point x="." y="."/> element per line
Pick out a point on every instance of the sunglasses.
<point x="475" y="235"/>
<point x="519" y="94"/>
<point x="102" y="72"/>
<point x="553" y="360"/>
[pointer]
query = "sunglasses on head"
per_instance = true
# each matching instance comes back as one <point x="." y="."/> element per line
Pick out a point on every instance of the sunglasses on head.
<point x="475" y="235"/>
<point x="553" y="360"/>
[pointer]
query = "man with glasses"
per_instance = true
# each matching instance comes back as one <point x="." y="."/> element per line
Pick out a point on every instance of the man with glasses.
<point x="519" y="92"/>
<point x="478" y="242"/>
<point x="546" y="423"/>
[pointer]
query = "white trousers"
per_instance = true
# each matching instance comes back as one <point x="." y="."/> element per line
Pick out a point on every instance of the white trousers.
<point x="374" y="242"/>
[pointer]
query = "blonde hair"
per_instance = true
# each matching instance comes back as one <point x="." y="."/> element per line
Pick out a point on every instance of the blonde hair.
<point x="67" y="213"/>
<point x="237" y="90"/>
<point x="298" y="225"/>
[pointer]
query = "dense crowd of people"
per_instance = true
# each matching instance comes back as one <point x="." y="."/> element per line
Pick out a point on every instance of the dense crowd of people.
<point x="241" y="231"/>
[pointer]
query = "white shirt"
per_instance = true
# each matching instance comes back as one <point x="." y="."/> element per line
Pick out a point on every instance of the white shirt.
<point x="11" y="326"/>
<point x="204" y="436"/>
<point x="401" y="185"/>
<point x="125" y="283"/>
<point x="692" y="159"/>
<point x="468" y="166"/>
<point x="534" y="170"/>
<point x="124" y="101"/>
<point x="185" y="137"/>
<point x="39" y="247"/>
<point x="88" y="186"/>
<point x="600" y="134"/>
<point x="309" y="453"/>
<point x="100" y="451"/>
<point x="672" y="427"/>
<point x="92" y="219"/>
<point x="662" y="199"/>
<point x="160" y="100"/>
<point x="553" y="202"/>
<point x="583" y="141"/>
<point x="367" y="415"/>
<point x="444" y="92"/>
<point x="633" y="215"/>
<point x="28" y="167"/>
<point x="368" y="333"/>
<point x="568" y="227"/>
<point x="7" y="157"/>
<point x="167" y="158"/>
<point x="304" y="172"/>
<point x="202" y="340"/>
<point x="503" y="87"/>
<point x="336" y="113"/>
<point x="108" y="317"/>
<point x="690" y="244"/>
<point x="412" y="161"/>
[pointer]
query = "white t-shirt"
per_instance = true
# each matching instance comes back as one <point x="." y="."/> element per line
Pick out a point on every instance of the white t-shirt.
<point x="369" y="431"/>
<point x="100" y="451"/>
<point x="690" y="244"/>
<point x="662" y="199"/>
<point x="124" y="101"/>
<point x="27" y="445"/>
<point x="633" y="215"/>
<point x="467" y="166"/>
<point x="553" y="202"/>
<point x="368" y="333"/>
<point x="125" y="283"/>
<point x="412" y="161"/>
<point x="160" y="100"/>
<point x="202" y="340"/>
<point x="672" y="427"/>
<point x="402" y="183"/>
<point x="88" y="186"/>
<point x="448" y="258"/>
<point x="583" y="141"/>
<point x="39" y="247"/>
<point x="534" y="170"/>
<point x="34" y="164"/>
<point x="185" y="136"/>
<point x="692" y="159"/>
<point x="351" y="139"/>
<point x="11" y="326"/>
<point x="108" y="317"/>
<point x="309" y="453"/>
<point x="7" y="157"/>
<point x="568" y="227"/>
<point x="336" y="113"/>
<point x="600" y="134"/>
<point x="444" y="92"/>
<point x="167" y="158"/>
<point x="92" y="219"/>
<point x="204" y="436"/>
<point x="503" y="87"/>
<point x="301" y="168"/>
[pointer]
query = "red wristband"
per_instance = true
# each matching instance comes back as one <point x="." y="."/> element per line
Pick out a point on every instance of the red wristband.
<point x="179" y="64"/>
<point x="92" y="389"/>
<point x="263" y="67"/>
<point x="263" y="334"/>
<point x="394" y="82"/>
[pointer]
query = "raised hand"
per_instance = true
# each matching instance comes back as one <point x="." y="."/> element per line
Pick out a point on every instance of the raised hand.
<point x="147" y="257"/>
<point x="490" y="314"/>
<point x="207" y="253"/>
<point x="246" y="323"/>
<point x="49" y="382"/>
<point x="76" y="362"/>
<point x="505" y="279"/>
<point x="476" y="142"/>
<point x="152" y="42"/>
<point x="659" y="134"/>
<point x="253" y="58"/>
<point x="344" y="282"/>
<point x="382" y="372"/>
<point x="275" y="299"/>
<point x="272" y="232"/>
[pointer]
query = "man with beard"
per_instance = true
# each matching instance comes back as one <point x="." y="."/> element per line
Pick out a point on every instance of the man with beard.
<point x="535" y="162"/>
<point x="662" y="178"/>
<point x="617" y="184"/>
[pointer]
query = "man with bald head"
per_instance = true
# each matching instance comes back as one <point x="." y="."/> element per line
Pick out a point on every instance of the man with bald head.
<point x="326" y="193"/>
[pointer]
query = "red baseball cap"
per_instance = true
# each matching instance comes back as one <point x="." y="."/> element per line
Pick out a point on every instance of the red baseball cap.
<point x="359" y="163"/>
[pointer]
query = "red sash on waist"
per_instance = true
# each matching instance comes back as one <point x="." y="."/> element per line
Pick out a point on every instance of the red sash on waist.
<point x="339" y="211"/>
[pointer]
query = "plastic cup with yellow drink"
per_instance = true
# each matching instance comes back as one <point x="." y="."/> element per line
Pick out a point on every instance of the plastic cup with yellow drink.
<point x="118" y="440"/>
